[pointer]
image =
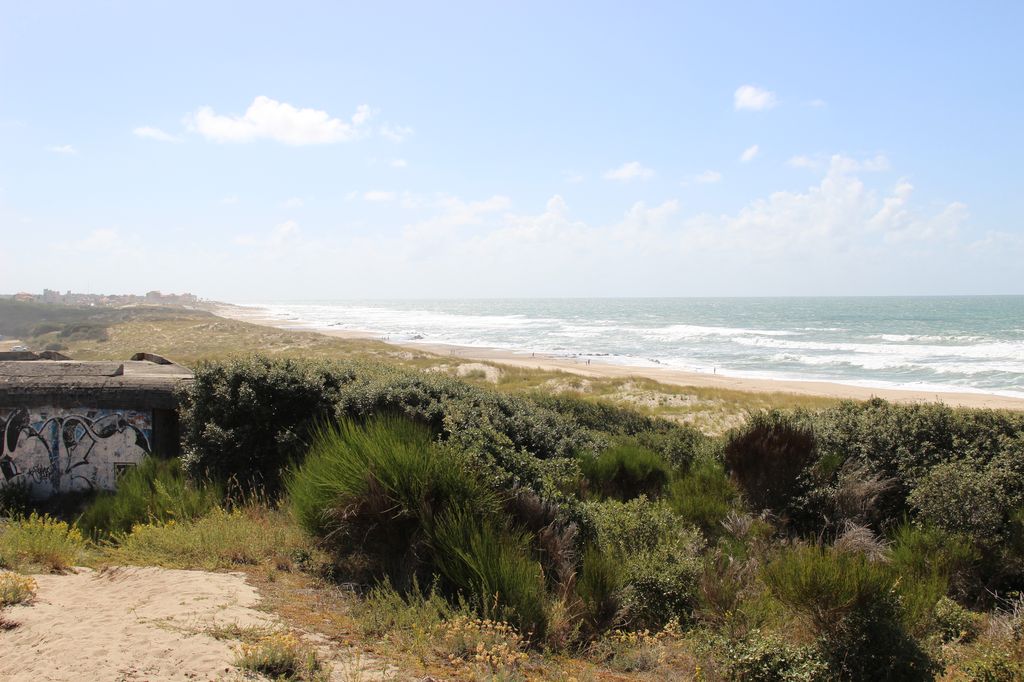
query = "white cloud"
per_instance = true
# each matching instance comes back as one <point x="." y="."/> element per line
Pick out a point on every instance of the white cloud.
<point x="102" y="239"/>
<point x="572" y="177"/>
<point x="282" y="235"/>
<point x="267" y="118"/>
<point x="379" y="196"/>
<point x="632" y="170"/>
<point x="749" y="153"/>
<point x="399" y="163"/>
<point x="802" y="162"/>
<point x="151" y="133"/>
<point x="455" y="214"/>
<point x="395" y="133"/>
<point x="708" y="177"/>
<point x="846" y="164"/>
<point x="293" y="202"/>
<point x="362" y="115"/>
<point x="62" y="149"/>
<point x="229" y="200"/>
<point x="817" y="103"/>
<point x="753" y="98"/>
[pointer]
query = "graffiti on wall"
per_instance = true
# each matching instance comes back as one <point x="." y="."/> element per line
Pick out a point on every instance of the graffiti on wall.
<point x="55" y="451"/>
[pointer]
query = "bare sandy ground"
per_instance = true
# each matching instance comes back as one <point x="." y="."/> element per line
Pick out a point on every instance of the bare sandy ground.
<point x="662" y="374"/>
<point x="128" y="624"/>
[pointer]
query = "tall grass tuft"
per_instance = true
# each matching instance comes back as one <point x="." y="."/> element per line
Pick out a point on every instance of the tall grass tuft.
<point x="377" y="491"/>
<point x="155" y="491"/>
<point x="625" y="471"/>
<point x="703" y="496"/>
<point x="491" y="566"/>
<point x="599" y="587"/>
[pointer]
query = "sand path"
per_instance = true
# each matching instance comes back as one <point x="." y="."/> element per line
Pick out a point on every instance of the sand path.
<point x="128" y="624"/>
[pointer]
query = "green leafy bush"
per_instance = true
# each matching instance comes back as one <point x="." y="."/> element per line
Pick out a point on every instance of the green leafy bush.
<point x="244" y="420"/>
<point x="768" y="658"/>
<point x="625" y="471"/>
<point x="658" y="555"/>
<point x="156" y="490"/>
<point x="955" y="622"/>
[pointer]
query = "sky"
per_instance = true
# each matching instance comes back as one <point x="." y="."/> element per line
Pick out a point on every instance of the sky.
<point x="284" y="151"/>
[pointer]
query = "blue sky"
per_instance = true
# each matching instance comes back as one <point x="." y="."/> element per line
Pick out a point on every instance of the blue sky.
<point x="252" y="151"/>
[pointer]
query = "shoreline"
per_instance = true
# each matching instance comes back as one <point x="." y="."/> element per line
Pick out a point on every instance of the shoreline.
<point x="665" y="375"/>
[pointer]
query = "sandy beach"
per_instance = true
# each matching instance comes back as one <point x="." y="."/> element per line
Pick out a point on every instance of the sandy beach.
<point x="664" y="375"/>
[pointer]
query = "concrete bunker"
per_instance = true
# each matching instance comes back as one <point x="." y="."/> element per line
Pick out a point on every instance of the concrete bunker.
<point x="67" y="425"/>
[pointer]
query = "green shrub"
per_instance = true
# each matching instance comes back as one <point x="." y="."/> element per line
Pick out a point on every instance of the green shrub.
<point x="244" y="420"/>
<point x="766" y="658"/>
<point x="961" y="497"/>
<point x="955" y="622"/>
<point x="156" y="490"/>
<point x="903" y="442"/>
<point x="993" y="664"/>
<point x="703" y="496"/>
<point x="40" y="541"/>
<point x="625" y="471"/>
<point x="491" y="567"/>
<point x="658" y="555"/>
<point x="769" y="457"/>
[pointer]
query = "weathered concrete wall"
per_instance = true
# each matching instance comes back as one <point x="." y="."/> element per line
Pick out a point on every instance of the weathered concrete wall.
<point x="66" y="449"/>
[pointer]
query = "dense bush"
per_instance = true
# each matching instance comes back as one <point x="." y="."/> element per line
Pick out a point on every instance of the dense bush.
<point x="767" y="658"/>
<point x="494" y="499"/>
<point x="962" y="497"/>
<point x="901" y="443"/>
<point x="658" y="556"/>
<point x="244" y="420"/>
<point x="625" y="471"/>
<point x="155" y="491"/>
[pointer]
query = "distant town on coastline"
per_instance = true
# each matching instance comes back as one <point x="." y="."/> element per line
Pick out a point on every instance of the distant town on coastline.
<point x="71" y="298"/>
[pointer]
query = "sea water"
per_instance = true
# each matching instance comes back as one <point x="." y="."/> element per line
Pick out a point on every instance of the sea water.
<point x="961" y="343"/>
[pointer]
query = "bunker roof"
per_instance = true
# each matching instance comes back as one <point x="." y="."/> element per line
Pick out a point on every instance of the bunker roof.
<point x="146" y="381"/>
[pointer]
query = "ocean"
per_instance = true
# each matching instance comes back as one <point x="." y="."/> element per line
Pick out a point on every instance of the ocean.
<point x="955" y="343"/>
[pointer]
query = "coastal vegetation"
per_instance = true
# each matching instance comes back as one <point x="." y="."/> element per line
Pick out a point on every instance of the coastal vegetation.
<point x="534" y="527"/>
<point x="483" y="534"/>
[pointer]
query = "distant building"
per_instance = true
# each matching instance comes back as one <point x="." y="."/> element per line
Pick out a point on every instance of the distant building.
<point x="68" y="426"/>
